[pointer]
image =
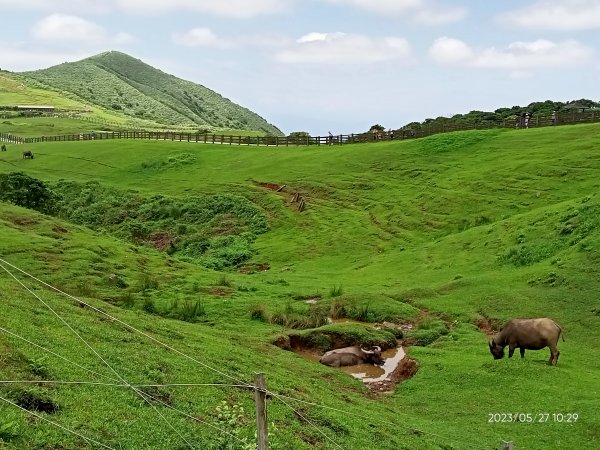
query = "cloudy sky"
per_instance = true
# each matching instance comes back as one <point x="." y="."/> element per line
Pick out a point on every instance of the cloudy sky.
<point x="339" y="65"/>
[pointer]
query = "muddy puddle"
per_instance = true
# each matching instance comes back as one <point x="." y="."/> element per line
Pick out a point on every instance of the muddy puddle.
<point x="370" y="373"/>
<point x="396" y="368"/>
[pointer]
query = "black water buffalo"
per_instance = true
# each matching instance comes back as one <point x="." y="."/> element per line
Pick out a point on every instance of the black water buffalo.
<point x="28" y="154"/>
<point x="351" y="356"/>
<point x="527" y="334"/>
<point x="3" y="147"/>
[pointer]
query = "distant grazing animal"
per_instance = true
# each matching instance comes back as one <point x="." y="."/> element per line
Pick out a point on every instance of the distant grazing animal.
<point x="351" y="356"/>
<point x="3" y="147"/>
<point x="28" y="154"/>
<point x="527" y="334"/>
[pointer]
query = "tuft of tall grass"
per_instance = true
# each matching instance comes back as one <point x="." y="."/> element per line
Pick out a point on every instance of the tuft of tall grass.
<point x="259" y="312"/>
<point x="336" y="291"/>
<point x="190" y="311"/>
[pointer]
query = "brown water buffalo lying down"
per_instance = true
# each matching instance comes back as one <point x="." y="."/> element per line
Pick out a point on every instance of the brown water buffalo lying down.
<point x="527" y="334"/>
<point x="351" y="356"/>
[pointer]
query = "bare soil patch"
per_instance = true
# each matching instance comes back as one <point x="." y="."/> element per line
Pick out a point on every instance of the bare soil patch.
<point x="162" y="240"/>
<point x="406" y="369"/>
<point x="219" y="291"/>
<point x="254" y="268"/>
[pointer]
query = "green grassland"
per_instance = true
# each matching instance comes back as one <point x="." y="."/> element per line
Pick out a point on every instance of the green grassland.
<point x="15" y="90"/>
<point x="445" y="232"/>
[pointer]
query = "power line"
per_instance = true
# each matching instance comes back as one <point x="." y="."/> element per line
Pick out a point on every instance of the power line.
<point x="153" y="339"/>
<point x="137" y="391"/>
<point x="56" y="424"/>
<point x="142" y="394"/>
<point x="307" y="421"/>
<point x="412" y="429"/>
<point x="242" y="385"/>
<point x="56" y="354"/>
<point x="96" y="383"/>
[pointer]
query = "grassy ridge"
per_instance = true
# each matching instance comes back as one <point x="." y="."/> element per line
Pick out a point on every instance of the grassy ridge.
<point x="446" y="230"/>
<point x="123" y="84"/>
<point x="16" y="91"/>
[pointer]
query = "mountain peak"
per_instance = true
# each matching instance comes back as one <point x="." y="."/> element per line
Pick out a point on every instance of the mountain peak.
<point x="120" y="82"/>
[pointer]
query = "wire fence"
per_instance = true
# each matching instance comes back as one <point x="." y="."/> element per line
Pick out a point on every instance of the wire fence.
<point x="119" y="382"/>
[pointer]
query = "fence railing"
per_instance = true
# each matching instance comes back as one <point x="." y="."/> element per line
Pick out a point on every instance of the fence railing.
<point x="422" y="130"/>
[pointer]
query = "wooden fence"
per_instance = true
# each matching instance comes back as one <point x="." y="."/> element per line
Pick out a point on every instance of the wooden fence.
<point x="422" y="130"/>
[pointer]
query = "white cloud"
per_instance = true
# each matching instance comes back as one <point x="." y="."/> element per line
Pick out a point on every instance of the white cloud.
<point x="537" y="54"/>
<point x="226" y="8"/>
<point x="342" y="48"/>
<point x="71" y="6"/>
<point x="198" y="37"/>
<point x="64" y="27"/>
<point x="20" y="58"/>
<point x="423" y="11"/>
<point x="450" y="51"/>
<point x="564" y="15"/>
<point x="519" y="57"/>
<point x="205" y="37"/>
<point x="439" y="16"/>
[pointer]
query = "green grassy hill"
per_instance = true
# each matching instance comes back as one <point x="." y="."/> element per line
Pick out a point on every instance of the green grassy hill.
<point x="451" y="234"/>
<point x="15" y="90"/>
<point x="120" y="83"/>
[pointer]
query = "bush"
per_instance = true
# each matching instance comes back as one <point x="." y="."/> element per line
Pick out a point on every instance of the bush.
<point x="22" y="190"/>
<point x="231" y="420"/>
<point x="214" y="230"/>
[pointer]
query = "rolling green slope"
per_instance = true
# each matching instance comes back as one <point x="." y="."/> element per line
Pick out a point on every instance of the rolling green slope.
<point x="451" y="234"/>
<point x="127" y="85"/>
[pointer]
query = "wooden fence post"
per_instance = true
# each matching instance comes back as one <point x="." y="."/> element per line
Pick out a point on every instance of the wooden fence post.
<point x="260" y="398"/>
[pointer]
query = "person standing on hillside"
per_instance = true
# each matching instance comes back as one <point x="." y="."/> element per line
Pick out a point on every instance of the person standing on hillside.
<point x="330" y="139"/>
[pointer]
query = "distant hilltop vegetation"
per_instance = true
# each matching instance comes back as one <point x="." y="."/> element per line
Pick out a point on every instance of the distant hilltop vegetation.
<point x="127" y="86"/>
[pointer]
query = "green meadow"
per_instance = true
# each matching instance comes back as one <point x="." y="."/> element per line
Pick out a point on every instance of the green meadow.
<point x="193" y="245"/>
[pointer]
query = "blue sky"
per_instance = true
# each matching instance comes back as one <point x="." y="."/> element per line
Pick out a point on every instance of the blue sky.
<point x="339" y="65"/>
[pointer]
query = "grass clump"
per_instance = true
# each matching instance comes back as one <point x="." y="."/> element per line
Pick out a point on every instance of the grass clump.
<point x="332" y="336"/>
<point x="300" y="316"/>
<point x="371" y="308"/>
<point x="427" y="332"/>
<point x="188" y="311"/>
<point x="336" y="291"/>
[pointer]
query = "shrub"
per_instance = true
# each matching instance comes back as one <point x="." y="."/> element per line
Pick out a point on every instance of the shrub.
<point x="22" y="190"/>
<point x="231" y="420"/>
